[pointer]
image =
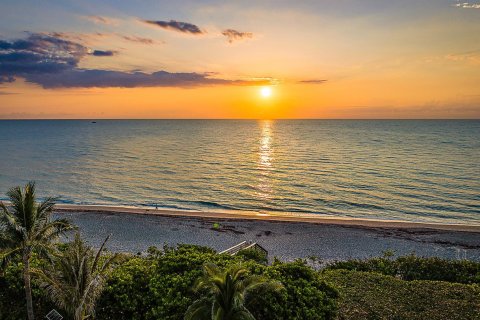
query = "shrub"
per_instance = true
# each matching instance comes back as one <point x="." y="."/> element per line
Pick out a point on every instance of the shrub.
<point x="159" y="286"/>
<point x="412" y="267"/>
<point x="12" y="293"/>
<point x="306" y="295"/>
<point x="366" y="295"/>
<point x="254" y="255"/>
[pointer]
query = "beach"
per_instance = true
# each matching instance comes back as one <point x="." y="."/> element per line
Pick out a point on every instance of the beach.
<point x="285" y="236"/>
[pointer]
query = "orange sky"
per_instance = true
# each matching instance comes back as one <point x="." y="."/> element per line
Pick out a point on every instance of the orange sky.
<point x="378" y="61"/>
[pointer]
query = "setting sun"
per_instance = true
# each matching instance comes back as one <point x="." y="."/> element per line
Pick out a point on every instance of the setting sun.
<point x="266" y="92"/>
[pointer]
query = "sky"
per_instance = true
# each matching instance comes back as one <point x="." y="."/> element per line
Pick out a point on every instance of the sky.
<point x="341" y="59"/>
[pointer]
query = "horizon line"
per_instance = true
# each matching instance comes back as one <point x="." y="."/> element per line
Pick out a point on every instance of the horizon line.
<point x="243" y="119"/>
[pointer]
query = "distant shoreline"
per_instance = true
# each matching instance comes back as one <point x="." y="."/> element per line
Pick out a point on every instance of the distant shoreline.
<point x="269" y="216"/>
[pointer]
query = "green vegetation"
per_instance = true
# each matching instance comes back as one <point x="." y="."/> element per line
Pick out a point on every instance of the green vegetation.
<point x="369" y="296"/>
<point x="412" y="267"/>
<point x="306" y="294"/>
<point x="12" y="292"/>
<point x="225" y="292"/>
<point x="252" y="254"/>
<point x="161" y="286"/>
<point x="26" y="229"/>
<point x="75" y="279"/>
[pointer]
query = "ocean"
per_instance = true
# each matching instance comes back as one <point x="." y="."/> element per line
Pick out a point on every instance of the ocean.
<point x="413" y="170"/>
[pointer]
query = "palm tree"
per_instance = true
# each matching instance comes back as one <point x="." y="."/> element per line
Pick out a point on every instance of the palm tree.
<point x="26" y="228"/>
<point x="226" y="293"/>
<point x="76" y="278"/>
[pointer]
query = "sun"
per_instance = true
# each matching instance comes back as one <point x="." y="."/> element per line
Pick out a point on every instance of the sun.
<point x="266" y="92"/>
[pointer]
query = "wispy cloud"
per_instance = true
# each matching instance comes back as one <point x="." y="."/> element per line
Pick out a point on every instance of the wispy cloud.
<point x="98" y="36"/>
<point x="137" y="39"/>
<point x="467" y="5"/>
<point x="85" y="38"/>
<point x="235" y="35"/>
<point x="472" y="57"/>
<point x="53" y="63"/>
<point x="174" y="25"/>
<point x="102" y="20"/>
<point x="313" y="81"/>
<point x="5" y="93"/>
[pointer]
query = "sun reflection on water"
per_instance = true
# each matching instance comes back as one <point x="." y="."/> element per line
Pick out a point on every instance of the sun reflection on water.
<point x="265" y="162"/>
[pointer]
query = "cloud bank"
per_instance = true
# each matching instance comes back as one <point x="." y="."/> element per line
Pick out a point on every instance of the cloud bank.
<point x="174" y="25"/>
<point x="52" y="62"/>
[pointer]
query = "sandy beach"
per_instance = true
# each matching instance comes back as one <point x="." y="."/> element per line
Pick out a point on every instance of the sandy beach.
<point x="286" y="236"/>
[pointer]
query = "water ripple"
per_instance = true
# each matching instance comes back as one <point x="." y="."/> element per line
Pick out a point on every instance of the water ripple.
<point x="409" y="170"/>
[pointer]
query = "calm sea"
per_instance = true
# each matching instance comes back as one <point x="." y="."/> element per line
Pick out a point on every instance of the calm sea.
<point x="409" y="170"/>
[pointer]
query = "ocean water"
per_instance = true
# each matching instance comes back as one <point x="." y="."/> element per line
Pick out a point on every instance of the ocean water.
<point x="397" y="170"/>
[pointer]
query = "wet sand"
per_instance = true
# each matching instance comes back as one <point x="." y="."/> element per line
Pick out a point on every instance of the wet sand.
<point x="286" y="236"/>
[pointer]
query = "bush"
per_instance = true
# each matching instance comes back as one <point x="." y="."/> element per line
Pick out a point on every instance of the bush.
<point x="368" y="296"/>
<point x="412" y="267"/>
<point x="306" y="295"/>
<point x="252" y="254"/>
<point x="159" y="286"/>
<point x="13" y="305"/>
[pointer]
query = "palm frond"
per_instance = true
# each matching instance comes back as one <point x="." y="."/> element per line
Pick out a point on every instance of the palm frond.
<point x="45" y="208"/>
<point x="99" y="252"/>
<point x="12" y="224"/>
<point x="77" y="279"/>
<point x="199" y="310"/>
<point x="8" y="255"/>
<point x="50" y="231"/>
<point x="225" y="292"/>
<point x="242" y="314"/>
<point x="25" y="227"/>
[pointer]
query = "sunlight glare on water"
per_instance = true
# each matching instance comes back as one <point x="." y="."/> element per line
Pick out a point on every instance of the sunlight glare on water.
<point x="265" y="160"/>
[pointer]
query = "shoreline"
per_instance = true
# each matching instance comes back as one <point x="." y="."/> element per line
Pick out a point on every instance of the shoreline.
<point x="269" y="217"/>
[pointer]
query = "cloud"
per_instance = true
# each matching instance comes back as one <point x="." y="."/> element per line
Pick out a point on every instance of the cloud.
<point x="101" y="53"/>
<point x="472" y="57"/>
<point x="47" y="45"/>
<point x="38" y="53"/>
<point x="53" y="63"/>
<point x="102" y="20"/>
<point x="6" y="78"/>
<point x="84" y="38"/>
<point x="95" y="37"/>
<point x="313" y="81"/>
<point x="137" y="39"/>
<point x="179" y="26"/>
<point x="467" y="5"/>
<point x="234" y="35"/>
<point x="87" y="78"/>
